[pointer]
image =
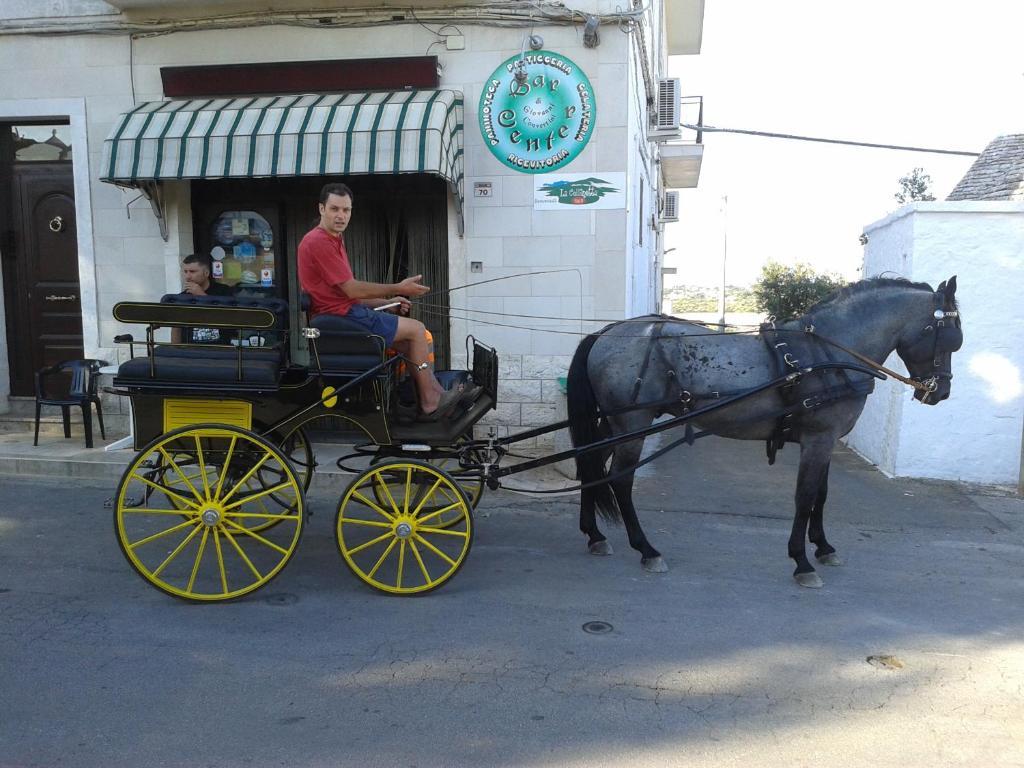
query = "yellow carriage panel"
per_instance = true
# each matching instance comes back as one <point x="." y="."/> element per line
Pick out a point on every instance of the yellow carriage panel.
<point x="182" y="412"/>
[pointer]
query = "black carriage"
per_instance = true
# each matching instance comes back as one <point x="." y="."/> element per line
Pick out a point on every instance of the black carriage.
<point x="212" y="506"/>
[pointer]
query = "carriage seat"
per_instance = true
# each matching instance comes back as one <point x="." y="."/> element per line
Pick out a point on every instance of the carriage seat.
<point x="345" y="346"/>
<point x="216" y="364"/>
<point x="274" y="346"/>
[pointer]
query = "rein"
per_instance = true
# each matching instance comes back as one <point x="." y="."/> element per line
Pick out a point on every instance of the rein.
<point x="918" y="385"/>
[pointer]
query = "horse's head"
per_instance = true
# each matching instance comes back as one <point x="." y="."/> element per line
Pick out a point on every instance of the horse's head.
<point x="928" y="351"/>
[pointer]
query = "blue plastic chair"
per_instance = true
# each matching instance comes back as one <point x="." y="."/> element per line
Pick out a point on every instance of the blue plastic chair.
<point x="81" y="380"/>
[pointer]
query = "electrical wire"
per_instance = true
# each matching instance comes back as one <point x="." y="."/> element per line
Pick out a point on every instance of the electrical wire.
<point x="770" y="135"/>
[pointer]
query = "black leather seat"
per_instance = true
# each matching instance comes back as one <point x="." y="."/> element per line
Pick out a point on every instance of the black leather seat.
<point x="345" y="346"/>
<point x="248" y="366"/>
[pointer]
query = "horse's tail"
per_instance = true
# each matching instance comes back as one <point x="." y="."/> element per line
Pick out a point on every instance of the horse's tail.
<point x="585" y="427"/>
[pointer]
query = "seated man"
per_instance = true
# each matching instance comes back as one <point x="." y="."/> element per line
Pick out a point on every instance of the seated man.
<point x="196" y="269"/>
<point x="326" y="275"/>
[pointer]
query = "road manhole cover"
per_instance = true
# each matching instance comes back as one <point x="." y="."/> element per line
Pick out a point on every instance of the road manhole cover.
<point x="597" y="627"/>
<point x="885" y="661"/>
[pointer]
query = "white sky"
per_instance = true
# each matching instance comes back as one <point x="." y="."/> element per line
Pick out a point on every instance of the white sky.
<point x="927" y="73"/>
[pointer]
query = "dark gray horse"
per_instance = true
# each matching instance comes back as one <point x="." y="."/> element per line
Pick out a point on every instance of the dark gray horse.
<point x="679" y="366"/>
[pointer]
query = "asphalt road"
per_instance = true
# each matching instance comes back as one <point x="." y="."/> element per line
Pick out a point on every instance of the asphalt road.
<point x="723" y="661"/>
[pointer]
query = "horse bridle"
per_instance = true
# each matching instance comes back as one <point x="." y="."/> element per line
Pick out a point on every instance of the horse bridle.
<point x="946" y="338"/>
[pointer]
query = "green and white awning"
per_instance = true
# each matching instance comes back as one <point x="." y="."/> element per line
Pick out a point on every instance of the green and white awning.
<point x="271" y="136"/>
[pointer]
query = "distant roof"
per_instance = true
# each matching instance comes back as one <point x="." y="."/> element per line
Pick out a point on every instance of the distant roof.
<point x="997" y="174"/>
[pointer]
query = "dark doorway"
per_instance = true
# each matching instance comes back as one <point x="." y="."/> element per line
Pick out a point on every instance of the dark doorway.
<point x="399" y="228"/>
<point x="40" y="256"/>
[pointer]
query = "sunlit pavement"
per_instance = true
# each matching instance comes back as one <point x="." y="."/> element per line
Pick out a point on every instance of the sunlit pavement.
<point x="723" y="661"/>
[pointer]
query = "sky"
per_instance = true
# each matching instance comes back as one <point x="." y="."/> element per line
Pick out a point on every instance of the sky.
<point x="926" y="73"/>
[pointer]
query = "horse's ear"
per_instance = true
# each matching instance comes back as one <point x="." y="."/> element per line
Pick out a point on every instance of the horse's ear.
<point x="951" y="287"/>
<point x="941" y="288"/>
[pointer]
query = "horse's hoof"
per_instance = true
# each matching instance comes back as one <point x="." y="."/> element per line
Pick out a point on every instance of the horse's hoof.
<point x="601" y="548"/>
<point x="655" y="565"/>
<point x="810" y="580"/>
<point x="830" y="559"/>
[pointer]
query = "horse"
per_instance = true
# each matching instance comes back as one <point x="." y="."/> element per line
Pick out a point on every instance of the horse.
<point x="631" y="372"/>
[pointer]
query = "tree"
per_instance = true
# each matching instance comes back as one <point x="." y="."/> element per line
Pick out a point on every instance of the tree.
<point x="785" y="292"/>
<point x="914" y="187"/>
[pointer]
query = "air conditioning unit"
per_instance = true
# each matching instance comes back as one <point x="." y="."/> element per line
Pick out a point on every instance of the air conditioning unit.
<point x="668" y="115"/>
<point x="669" y="207"/>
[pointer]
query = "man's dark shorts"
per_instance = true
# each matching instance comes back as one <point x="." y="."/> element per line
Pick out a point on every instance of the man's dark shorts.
<point x="381" y="323"/>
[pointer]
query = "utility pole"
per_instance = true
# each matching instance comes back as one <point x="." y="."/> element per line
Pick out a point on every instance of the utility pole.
<point x="725" y="253"/>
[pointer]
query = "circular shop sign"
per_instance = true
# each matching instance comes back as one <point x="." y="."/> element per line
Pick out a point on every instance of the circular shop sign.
<point x="543" y="119"/>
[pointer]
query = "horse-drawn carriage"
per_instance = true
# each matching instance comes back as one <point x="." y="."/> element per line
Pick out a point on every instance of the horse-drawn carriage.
<point x="213" y="505"/>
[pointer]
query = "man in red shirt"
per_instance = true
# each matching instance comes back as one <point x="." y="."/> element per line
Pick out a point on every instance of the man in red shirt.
<point x="326" y="275"/>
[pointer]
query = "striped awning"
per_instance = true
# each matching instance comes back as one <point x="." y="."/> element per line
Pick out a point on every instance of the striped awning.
<point x="271" y="136"/>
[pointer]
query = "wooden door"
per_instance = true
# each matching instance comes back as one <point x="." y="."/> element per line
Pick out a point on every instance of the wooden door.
<point x="42" y="292"/>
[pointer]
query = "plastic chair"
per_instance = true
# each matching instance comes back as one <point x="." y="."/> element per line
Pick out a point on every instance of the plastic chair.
<point x="80" y="391"/>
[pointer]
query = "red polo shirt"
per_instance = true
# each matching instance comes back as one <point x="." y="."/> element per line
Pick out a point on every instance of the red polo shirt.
<point x="323" y="264"/>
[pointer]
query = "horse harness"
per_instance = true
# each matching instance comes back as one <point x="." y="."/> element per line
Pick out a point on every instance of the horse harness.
<point x="796" y="402"/>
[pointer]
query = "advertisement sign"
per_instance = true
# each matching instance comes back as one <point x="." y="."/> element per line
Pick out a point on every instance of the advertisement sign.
<point x="537" y="112"/>
<point x="575" y="191"/>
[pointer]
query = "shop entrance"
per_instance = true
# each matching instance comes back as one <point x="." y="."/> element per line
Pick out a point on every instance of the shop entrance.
<point x="42" y="298"/>
<point x="399" y="228"/>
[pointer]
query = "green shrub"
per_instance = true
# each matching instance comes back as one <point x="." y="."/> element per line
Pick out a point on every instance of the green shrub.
<point x="787" y="292"/>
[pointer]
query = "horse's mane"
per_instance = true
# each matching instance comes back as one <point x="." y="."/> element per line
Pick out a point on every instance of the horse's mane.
<point x="869" y="284"/>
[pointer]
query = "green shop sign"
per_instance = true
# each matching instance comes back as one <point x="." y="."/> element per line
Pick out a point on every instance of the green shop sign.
<point x="540" y="120"/>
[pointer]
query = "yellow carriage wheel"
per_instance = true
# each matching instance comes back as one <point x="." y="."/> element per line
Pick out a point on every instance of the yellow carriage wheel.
<point x="471" y="483"/>
<point x="187" y="509"/>
<point x="397" y="546"/>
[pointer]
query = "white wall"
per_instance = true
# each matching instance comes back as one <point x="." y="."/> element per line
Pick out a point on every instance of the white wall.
<point x="974" y="436"/>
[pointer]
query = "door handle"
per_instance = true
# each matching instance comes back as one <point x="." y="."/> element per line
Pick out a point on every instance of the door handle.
<point x="54" y="297"/>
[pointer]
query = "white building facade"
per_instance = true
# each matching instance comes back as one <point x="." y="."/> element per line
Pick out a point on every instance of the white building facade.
<point x="976" y="435"/>
<point x="191" y="127"/>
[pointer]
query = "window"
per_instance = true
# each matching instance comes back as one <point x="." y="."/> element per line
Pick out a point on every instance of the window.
<point x="41" y="143"/>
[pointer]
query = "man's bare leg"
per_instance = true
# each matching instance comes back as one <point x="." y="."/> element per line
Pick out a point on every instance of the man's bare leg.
<point x="411" y="341"/>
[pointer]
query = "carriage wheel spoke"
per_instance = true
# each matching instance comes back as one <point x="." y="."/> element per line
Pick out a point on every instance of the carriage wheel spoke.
<point x="220" y="562"/>
<point x="438" y="512"/>
<point x="258" y="495"/>
<point x="202" y="466"/>
<point x="444" y="532"/>
<point x="267" y="516"/>
<point x="383" y="557"/>
<point x="371" y="542"/>
<point x="242" y="554"/>
<point x="247" y="532"/>
<point x="166" y="491"/>
<point x="401" y="563"/>
<point x="426" y="496"/>
<point x="408" y="491"/>
<point x="224" y="468"/>
<point x="149" y="511"/>
<point x="386" y="515"/>
<point x="423" y="568"/>
<point x="248" y="474"/>
<point x="155" y="536"/>
<point x="199" y="557"/>
<point x="387" y="492"/>
<point x="177" y="469"/>
<point x="434" y="549"/>
<point x="371" y="523"/>
<point x="177" y="551"/>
